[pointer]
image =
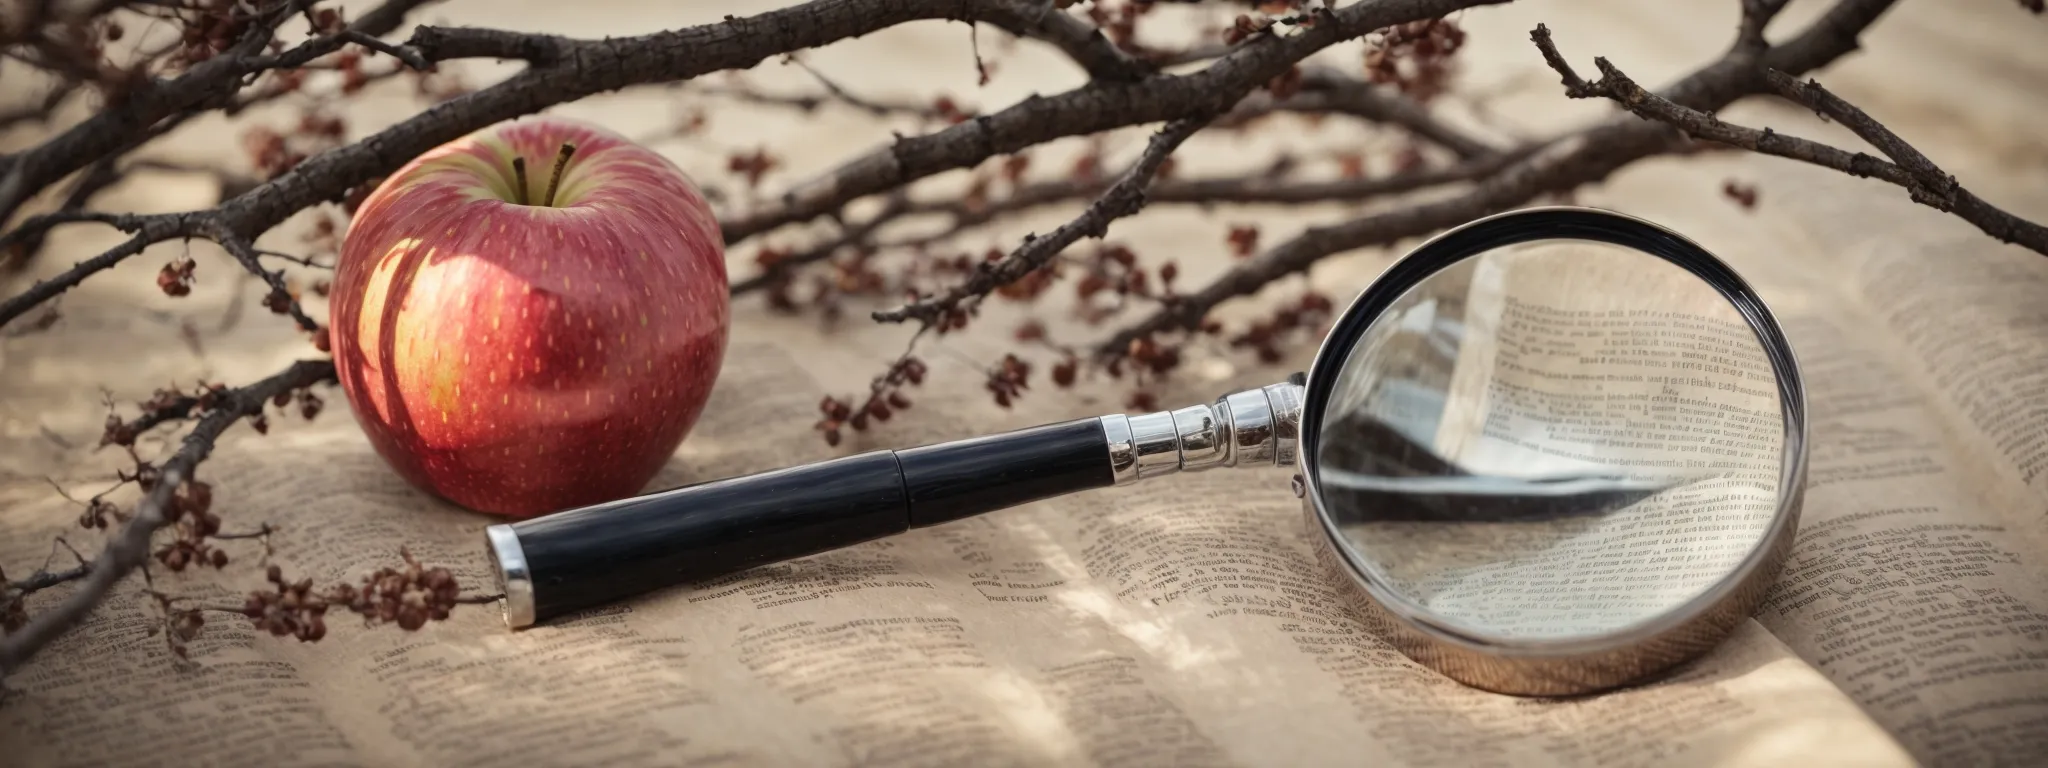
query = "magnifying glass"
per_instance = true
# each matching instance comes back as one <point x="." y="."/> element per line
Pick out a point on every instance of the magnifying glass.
<point x="1554" y="451"/>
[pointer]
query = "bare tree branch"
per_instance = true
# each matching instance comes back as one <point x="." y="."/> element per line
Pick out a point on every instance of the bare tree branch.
<point x="1091" y="109"/>
<point x="810" y="102"/>
<point x="1080" y="40"/>
<point x="1749" y="35"/>
<point x="44" y="578"/>
<point x="581" y="68"/>
<point x="1586" y="156"/>
<point x="386" y="18"/>
<point x="412" y="58"/>
<point x="1925" y="182"/>
<point x="1326" y="91"/>
<point x="280" y="296"/>
<point x="849" y="236"/>
<point x="127" y="549"/>
<point x="1248" y="189"/>
<point x="147" y="230"/>
<point x="1124" y="198"/>
<point x="32" y="169"/>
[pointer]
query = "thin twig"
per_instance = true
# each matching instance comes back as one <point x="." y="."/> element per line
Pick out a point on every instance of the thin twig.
<point x="128" y="548"/>
<point x="871" y="106"/>
<point x="1925" y="182"/>
<point x="810" y="102"/>
<point x="260" y="532"/>
<point x="108" y="130"/>
<point x="896" y="206"/>
<point x="1251" y="189"/>
<point x="280" y="292"/>
<point x="152" y="229"/>
<point x="1575" y="159"/>
<point x="1124" y="198"/>
<point x="45" y="579"/>
<point x="1756" y="14"/>
<point x="585" y="67"/>
<point x="412" y="58"/>
<point x="305" y="261"/>
<point x="1091" y="109"/>
<point x="1327" y="91"/>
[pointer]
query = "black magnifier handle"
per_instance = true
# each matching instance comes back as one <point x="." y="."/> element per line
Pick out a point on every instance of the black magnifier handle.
<point x="582" y="558"/>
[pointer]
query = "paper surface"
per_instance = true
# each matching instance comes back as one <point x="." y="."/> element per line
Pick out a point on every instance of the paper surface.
<point x="1180" y="622"/>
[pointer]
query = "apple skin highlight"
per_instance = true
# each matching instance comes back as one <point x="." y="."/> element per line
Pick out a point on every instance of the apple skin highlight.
<point x="520" y="359"/>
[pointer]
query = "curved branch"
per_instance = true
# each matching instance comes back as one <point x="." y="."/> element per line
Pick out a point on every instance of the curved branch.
<point x="1124" y="198"/>
<point x="1325" y="91"/>
<point x="1079" y="40"/>
<point x="1094" y="108"/>
<point x="582" y="68"/>
<point x="1926" y="182"/>
<point x="1250" y="189"/>
<point x="573" y="69"/>
<point x="103" y="133"/>
<point x="147" y="229"/>
<point x="386" y="18"/>
<point x="897" y="206"/>
<point x="577" y="68"/>
<point x="1585" y="157"/>
<point x="280" y="297"/>
<point x="127" y="549"/>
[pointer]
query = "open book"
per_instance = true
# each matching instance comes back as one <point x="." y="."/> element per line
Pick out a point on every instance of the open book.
<point x="1177" y="622"/>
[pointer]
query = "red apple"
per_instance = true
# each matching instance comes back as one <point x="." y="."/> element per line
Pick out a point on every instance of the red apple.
<point x="517" y="355"/>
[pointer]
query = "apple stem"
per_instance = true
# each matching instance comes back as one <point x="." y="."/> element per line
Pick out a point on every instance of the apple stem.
<point x="561" y="162"/>
<point x="519" y="180"/>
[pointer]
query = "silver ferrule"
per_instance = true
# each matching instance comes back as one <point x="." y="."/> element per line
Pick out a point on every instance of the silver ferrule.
<point x="508" y="559"/>
<point x="1253" y="428"/>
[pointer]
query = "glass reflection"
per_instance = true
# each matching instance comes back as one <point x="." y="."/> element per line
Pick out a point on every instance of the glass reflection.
<point x="1553" y="439"/>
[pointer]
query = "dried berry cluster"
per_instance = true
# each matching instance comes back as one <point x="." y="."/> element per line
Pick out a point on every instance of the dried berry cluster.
<point x="1416" y="57"/>
<point x="1244" y="27"/>
<point x="1243" y="240"/>
<point x="885" y="398"/>
<point x="1067" y="369"/>
<point x="213" y="27"/>
<point x="1743" y="194"/>
<point x="752" y="166"/>
<point x="98" y="511"/>
<point x="1305" y="317"/>
<point x="1111" y="276"/>
<point x="950" y="111"/>
<point x="309" y="404"/>
<point x="190" y="510"/>
<point x="1008" y="380"/>
<point x="175" y="279"/>
<point x="855" y="273"/>
<point x="409" y="596"/>
<point x="272" y="152"/>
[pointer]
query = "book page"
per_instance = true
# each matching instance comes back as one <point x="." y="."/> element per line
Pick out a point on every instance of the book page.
<point x="1919" y="581"/>
<point x="1178" y="622"/>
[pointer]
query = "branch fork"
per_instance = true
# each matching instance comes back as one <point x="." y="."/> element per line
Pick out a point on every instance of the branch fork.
<point x="1925" y="182"/>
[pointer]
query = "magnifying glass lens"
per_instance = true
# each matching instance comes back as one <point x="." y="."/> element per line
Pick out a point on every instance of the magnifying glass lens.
<point x="1552" y="441"/>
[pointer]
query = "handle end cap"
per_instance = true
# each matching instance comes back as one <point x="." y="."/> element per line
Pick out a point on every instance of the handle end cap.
<point x="508" y="560"/>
